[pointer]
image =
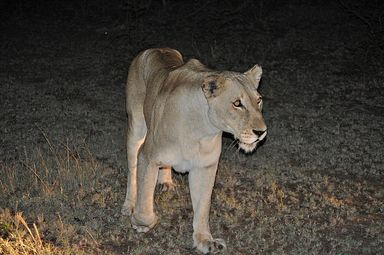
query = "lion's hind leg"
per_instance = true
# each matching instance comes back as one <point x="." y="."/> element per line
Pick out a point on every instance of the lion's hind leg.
<point x="144" y="217"/>
<point x="164" y="179"/>
<point x="135" y="137"/>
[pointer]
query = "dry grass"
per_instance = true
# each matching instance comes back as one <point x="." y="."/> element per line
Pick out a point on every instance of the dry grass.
<point x="44" y="182"/>
<point x="59" y="172"/>
<point x="17" y="237"/>
<point x="71" y="202"/>
<point x="314" y="187"/>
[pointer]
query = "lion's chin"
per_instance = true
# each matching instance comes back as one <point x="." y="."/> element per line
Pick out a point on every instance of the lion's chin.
<point x="248" y="147"/>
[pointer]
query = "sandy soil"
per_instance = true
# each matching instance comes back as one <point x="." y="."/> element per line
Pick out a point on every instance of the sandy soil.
<point x="314" y="187"/>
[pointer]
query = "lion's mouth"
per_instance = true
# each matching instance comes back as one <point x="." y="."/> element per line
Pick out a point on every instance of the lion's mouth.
<point x="249" y="145"/>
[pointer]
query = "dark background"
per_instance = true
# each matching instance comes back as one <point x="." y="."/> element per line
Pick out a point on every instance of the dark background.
<point x="314" y="187"/>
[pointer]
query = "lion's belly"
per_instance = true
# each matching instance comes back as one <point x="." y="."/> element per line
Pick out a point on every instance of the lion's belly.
<point x="183" y="167"/>
<point x="175" y="158"/>
<point x="184" y="162"/>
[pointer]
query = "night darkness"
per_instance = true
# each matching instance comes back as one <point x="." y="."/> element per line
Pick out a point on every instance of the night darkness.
<point x="315" y="186"/>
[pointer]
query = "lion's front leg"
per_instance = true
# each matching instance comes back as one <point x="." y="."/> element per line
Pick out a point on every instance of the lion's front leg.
<point x="144" y="217"/>
<point x="201" y="183"/>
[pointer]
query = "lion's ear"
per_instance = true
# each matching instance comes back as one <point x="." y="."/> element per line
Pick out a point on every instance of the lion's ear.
<point x="254" y="74"/>
<point x="212" y="86"/>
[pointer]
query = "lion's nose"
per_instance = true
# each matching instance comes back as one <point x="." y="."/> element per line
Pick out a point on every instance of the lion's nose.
<point x="259" y="133"/>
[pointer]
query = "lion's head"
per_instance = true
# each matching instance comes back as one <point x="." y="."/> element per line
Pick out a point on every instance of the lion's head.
<point x="235" y="105"/>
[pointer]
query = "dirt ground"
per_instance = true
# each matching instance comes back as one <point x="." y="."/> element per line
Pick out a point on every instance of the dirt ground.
<point x="314" y="187"/>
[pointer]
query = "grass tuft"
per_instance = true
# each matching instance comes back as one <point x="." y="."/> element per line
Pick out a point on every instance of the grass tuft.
<point x="48" y="186"/>
<point x="17" y="237"/>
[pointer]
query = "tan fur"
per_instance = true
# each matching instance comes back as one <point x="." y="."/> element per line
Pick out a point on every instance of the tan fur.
<point x="176" y="113"/>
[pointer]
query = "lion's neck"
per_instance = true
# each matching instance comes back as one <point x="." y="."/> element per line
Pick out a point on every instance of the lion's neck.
<point x="202" y="124"/>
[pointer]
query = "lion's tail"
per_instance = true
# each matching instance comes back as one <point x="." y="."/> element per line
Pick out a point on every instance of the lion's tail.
<point x="153" y="60"/>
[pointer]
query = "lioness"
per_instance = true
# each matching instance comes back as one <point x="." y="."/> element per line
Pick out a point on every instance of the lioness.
<point x="177" y="112"/>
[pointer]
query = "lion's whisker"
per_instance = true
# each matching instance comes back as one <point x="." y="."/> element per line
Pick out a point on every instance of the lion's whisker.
<point x="231" y="146"/>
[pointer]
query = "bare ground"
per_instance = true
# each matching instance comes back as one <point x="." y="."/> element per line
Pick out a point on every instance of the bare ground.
<point x="314" y="187"/>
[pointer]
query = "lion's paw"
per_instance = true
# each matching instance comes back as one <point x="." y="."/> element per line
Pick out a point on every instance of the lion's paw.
<point x="127" y="209"/>
<point x="143" y="224"/>
<point x="141" y="229"/>
<point x="165" y="187"/>
<point x="211" y="246"/>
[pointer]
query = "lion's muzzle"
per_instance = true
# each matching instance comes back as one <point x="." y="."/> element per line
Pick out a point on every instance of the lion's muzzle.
<point x="248" y="141"/>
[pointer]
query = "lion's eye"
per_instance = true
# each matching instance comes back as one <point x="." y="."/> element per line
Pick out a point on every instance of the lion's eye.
<point x="237" y="103"/>
<point x="259" y="100"/>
